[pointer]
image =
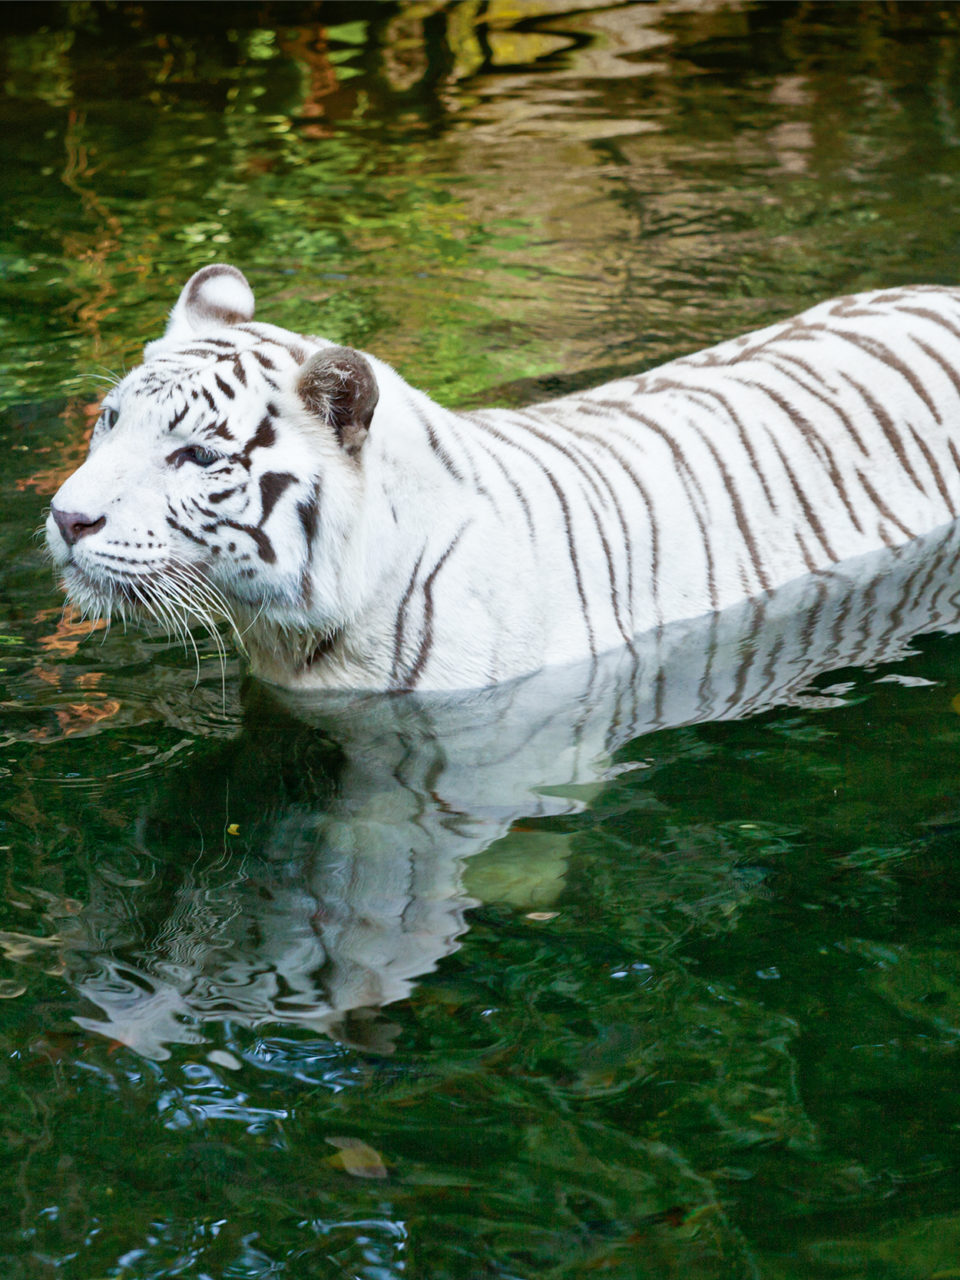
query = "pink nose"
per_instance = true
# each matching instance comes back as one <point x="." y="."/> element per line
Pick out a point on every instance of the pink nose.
<point x="74" y="526"/>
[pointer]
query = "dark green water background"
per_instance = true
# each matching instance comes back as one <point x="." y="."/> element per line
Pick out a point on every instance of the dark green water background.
<point x="698" y="1017"/>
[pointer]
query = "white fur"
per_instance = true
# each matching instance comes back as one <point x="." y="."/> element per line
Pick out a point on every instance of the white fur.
<point x="458" y="550"/>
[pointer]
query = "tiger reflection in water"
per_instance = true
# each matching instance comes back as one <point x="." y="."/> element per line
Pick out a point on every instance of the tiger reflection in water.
<point x="370" y="825"/>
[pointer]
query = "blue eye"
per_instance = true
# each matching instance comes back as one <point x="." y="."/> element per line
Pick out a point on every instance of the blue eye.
<point x="109" y="416"/>
<point x="196" y="454"/>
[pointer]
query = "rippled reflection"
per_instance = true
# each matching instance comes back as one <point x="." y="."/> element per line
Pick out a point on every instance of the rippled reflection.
<point x="323" y="887"/>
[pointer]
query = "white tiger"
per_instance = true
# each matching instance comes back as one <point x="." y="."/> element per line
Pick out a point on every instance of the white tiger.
<point x="359" y="536"/>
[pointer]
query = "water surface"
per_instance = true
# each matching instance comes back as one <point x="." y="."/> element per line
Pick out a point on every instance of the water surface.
<point x="645" y="971"/>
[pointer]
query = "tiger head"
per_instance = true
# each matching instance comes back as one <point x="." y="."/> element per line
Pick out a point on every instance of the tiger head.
<point x="224" y="477"/>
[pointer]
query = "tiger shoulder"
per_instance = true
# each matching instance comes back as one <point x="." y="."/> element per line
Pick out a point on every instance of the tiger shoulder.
<point x="355" y="534"/>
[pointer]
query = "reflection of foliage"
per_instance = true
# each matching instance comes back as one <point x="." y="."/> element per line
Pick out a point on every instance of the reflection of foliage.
<point x="409" y="176"/>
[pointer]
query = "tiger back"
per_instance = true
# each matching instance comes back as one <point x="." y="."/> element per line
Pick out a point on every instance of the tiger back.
<point x="354" y="534"/>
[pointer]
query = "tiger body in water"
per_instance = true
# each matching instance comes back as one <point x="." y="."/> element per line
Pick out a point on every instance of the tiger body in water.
<point x="357" y="535"/>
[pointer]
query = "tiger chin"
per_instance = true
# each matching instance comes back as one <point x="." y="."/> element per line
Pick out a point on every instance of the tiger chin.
<point x="353" y="534"/>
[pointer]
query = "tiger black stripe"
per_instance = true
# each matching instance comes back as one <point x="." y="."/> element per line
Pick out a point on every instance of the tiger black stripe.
<point x="808" y="558"/>
<point x="736" y="503"/>
<point x="934" y="470"/>
<point x="815" y="442"/>
<point x="890" y="433"/>
<point x="568" y="527"/>
<point x="570" y="544"/>
<point x="401" y="620"/>
<point x="272" y="487"/>
<point x="690" y="483"/>
<point x="926" y="314"/>
<point x="177" y="418"/>
<point x="724" y="402"/>
<point x="829" y="402"/>
<point x="884" y="510"/>
<point x="476" y="479"/>
<point x="880" y="351"/>
<point x="638" y="484"/>
<point x="265" y="548"/>
<point x="937" y="358"/>
<point x="426" y="630"/>
<point x="518" y="493"/>
<point x="435" y="444"/>
<point x="684" y="470"/>
<point x="586" y="465"/>
<point x="685" y="473"/>
<point x="810" y="515"/>
<point x="608" y="484"/>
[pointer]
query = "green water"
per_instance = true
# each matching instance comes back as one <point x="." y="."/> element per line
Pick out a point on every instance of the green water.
<point x="610" y="978"/>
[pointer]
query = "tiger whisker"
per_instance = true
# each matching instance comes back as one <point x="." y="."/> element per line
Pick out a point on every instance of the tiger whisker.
<point x="172" y="612"/>
<point x="202" y="600"/>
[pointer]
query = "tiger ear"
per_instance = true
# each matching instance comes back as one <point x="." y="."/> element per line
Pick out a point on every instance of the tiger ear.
<point x="213" y="296"/>
<point x="338" y="386"/>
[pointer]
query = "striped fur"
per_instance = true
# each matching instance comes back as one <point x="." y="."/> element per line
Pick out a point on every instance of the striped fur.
<point x="357" y="535"/>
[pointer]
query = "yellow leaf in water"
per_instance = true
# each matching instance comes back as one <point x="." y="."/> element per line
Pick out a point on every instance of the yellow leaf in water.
<point x="955" y="703"/>
<point x="233" y="829"/>
<point x="357" y="1158"/>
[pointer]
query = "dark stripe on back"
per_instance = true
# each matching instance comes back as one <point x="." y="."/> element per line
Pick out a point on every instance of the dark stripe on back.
<point x="813" y="520"/>
<point x="937" y="358"/>
<point x="934" y="470"/>
<point x="518" y="492"/>
<point x="565" y="510"/>
<point x="742" y="433"/>
<point x="579" y="458"/>
<point x="816" y="443"/>
<point x="885" y="422"/>
<point x="934" y="317"/>
<point x="817" y="392"/>
<point x="883" y="508"/>
<point x="651" y="517"/>
<point x="688" y="479"/>
<point x="881" y="352"/>
<point x="739" y="514"/>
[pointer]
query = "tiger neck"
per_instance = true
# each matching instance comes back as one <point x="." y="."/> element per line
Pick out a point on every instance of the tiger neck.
<point x="280" y="654"/>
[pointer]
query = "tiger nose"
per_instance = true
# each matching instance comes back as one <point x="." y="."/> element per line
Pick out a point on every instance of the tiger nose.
<point x="73" y="526"/>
